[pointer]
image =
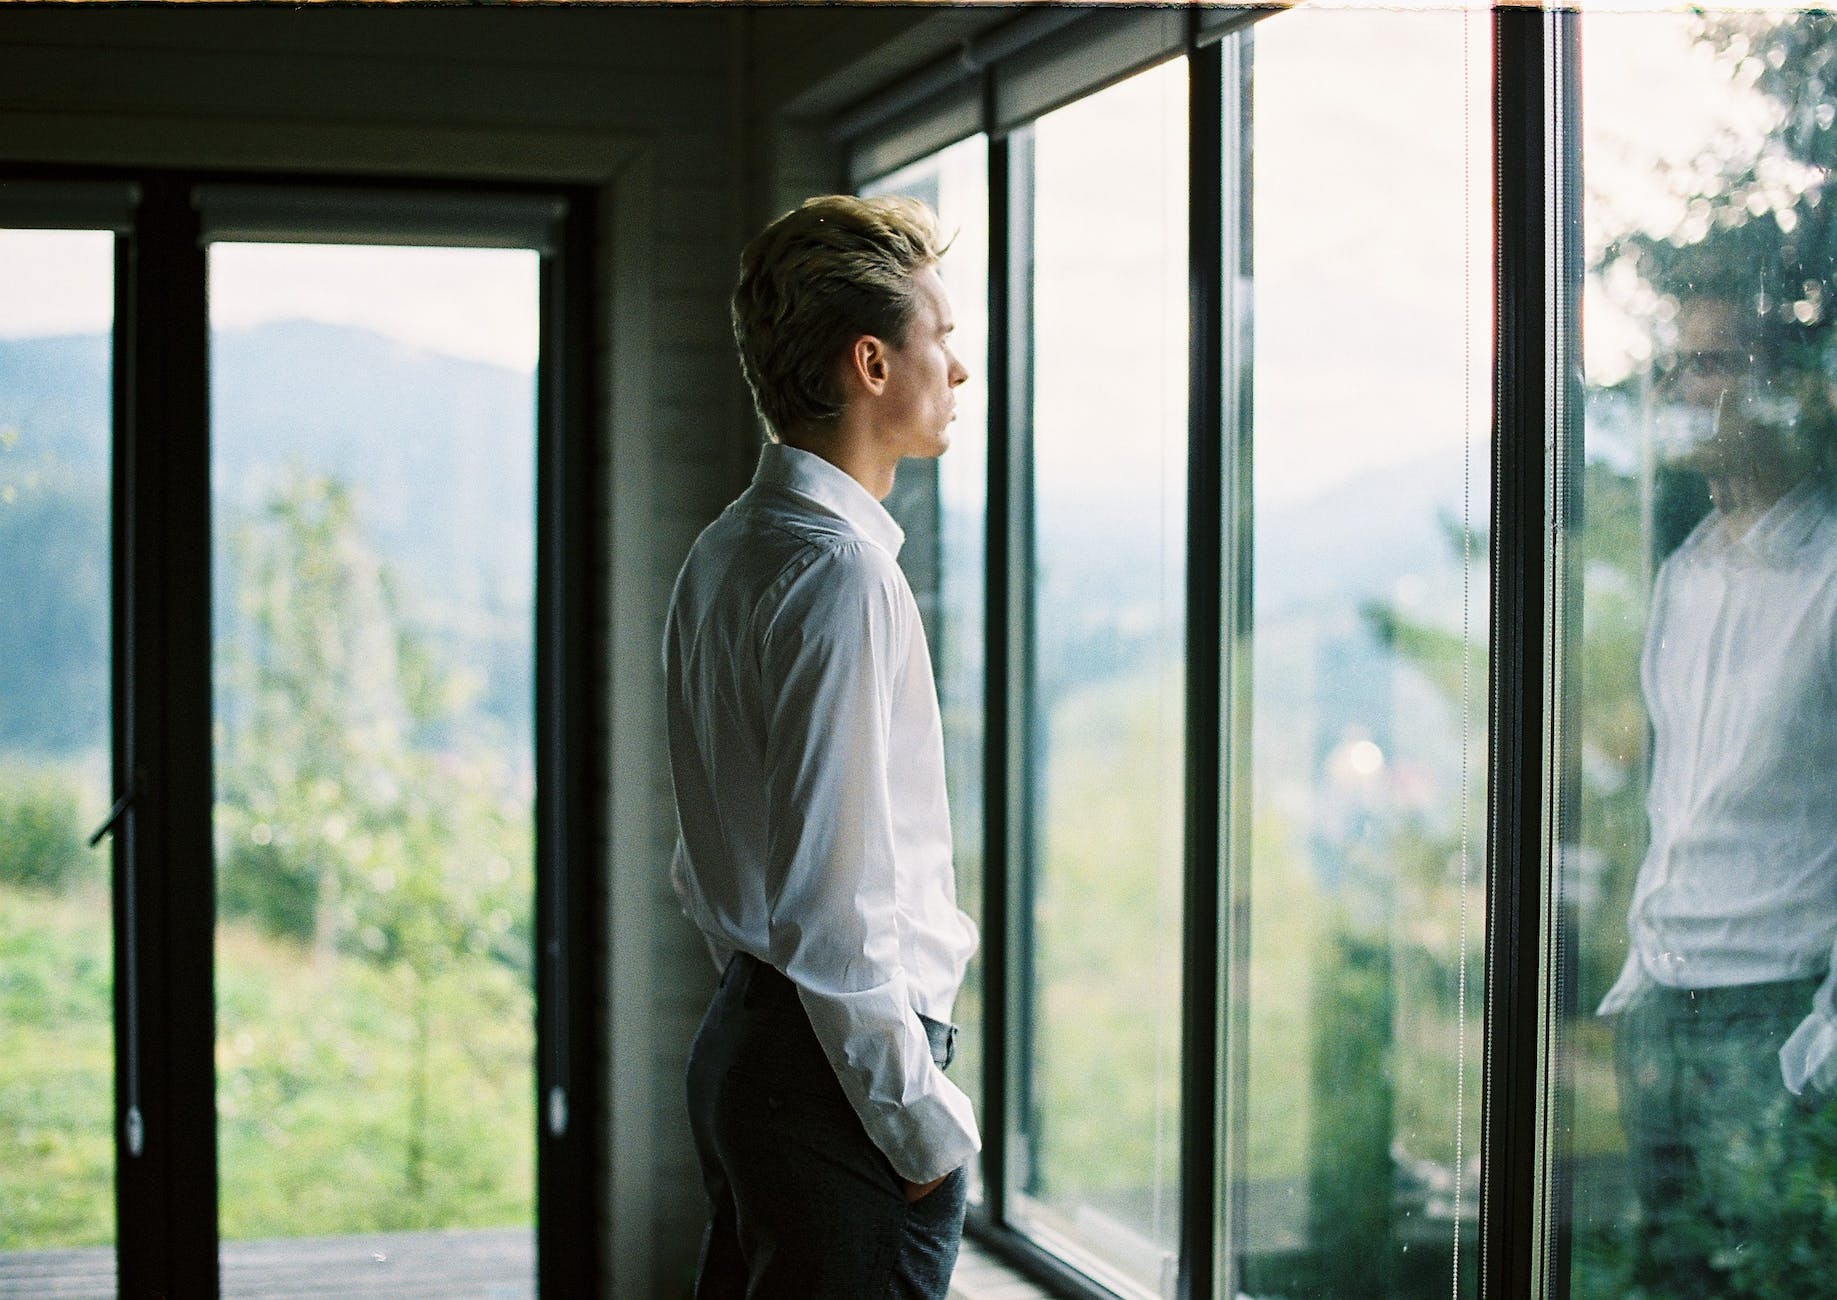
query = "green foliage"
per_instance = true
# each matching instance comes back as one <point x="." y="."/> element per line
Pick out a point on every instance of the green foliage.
<point x="56" y="1069"/>
<point x="266" y="884"/>
<point x="334" y="823"/>
<point x="374" y="1008"/>
<point x="41" y="841"/>
<point x="312" y="1065"/>
<point x="1107" y="1032"/>
<point x="1350" y="1076"/>
<point x="1755" y="227"/>
<point x="354" y="817"/>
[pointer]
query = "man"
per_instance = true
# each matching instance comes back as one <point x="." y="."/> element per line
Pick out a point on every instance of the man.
<point x="807" y="753"/>
<point x="1726" y="1032"/>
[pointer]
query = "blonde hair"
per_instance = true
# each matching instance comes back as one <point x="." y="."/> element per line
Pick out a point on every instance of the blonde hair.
<point x="822" y="275"/>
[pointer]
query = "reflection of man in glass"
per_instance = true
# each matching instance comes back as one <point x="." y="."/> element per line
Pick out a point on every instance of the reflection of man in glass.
<point x="1726" y="1034"/>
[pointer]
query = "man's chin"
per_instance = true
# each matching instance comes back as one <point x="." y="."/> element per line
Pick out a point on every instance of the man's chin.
<point x="938" y="446"/>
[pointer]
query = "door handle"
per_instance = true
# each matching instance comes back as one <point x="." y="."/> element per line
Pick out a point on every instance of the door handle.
<point x="115" y="814"/>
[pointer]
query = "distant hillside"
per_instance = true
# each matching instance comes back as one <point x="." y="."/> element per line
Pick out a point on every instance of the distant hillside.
<point x="441" y="451"/>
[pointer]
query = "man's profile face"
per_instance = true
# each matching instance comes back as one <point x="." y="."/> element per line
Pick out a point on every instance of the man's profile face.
<point x="1711" y="356"/>
<point x="920" y="400"/>
<point x="1723" y="387"/>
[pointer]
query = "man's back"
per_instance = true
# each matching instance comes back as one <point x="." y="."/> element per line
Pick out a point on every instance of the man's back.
<point x="790" y="614"/>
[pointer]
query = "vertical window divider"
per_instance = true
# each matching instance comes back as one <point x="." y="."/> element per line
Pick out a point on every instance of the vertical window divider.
<point x="1023" y="738"/>
<point x="1528" y="46"/>
<point x="167" y="1168"/>
<point x="1564" y="381"/>
<point x="130" y="1130"/>
<point x="998" y="758"/>
<point x="1200" y="1000"/>
<point x="1237" y="533"/>
<point x="1012" y="765"/>
<point x="567" y="1047"/>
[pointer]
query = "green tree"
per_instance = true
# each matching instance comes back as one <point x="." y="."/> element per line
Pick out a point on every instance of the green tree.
<point x="336" y="827"/>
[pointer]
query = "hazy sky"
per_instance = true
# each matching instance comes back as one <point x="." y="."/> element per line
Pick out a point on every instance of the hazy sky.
<point x="475" y="303"/>
<point x="1372" y="285"/>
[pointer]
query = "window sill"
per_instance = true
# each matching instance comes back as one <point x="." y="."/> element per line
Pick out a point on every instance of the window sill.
<point x="980" y="1276"/>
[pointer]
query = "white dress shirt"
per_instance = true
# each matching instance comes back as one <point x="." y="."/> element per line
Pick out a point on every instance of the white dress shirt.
<point x="808" y="759"/>
<point x="1739" y="883"/>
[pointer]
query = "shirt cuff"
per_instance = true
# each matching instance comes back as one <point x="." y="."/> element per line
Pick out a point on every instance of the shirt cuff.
<point x="930" y="1137"/>
<point x="1809" y="1057"/>
<point x="1627" y="988"/>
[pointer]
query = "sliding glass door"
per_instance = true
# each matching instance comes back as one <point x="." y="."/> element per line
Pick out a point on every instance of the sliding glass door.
<point x="292" y="539"/>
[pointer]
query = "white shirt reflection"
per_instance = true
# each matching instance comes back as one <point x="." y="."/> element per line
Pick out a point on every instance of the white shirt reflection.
<point x="1739" y="883"/>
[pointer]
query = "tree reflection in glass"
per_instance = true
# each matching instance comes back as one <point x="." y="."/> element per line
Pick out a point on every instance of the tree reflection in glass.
<point x="1700" y="888"/>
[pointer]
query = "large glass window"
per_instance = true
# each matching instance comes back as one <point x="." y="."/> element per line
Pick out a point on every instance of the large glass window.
<point x="1100" y="986"/>
<point x="943" y="507"/>
<point x="373" y="467"/>
<point x="1359" y="795"/>
<point x="57" y="1150"/>
<point x="1697" y="1038"/>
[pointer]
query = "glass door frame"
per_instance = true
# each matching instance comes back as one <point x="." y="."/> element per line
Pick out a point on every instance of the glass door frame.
<point x="163" y="872"/>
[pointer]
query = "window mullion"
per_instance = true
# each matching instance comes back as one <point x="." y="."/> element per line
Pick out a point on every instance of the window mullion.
<point x="1525" y="44"/>
<point x="1200" y="1045"/>
<point x="167" y="1179"/>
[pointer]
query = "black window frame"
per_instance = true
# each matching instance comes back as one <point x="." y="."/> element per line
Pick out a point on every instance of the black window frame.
<point x="162" y="851"/>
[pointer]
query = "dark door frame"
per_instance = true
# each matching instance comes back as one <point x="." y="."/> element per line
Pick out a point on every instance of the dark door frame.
<point x="164" y="908"/>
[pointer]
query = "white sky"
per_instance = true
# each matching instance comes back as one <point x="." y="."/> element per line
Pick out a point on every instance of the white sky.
<point x="466" y="302"/>
<point x="56" y="282"/>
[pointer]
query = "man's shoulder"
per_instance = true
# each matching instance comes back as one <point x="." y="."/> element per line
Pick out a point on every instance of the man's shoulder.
<point x="784" y="527"/>
<point x="749" y="555"/>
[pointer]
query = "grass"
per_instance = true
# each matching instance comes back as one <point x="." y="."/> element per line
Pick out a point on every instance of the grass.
<point x="351" y="1098"/>
<point x="1107" y="918"/>
<point x="57" y="1152"/>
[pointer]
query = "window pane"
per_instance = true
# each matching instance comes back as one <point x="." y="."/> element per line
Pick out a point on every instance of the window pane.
<point x="942" y="505"/>
<point x="1355" y="1170"/>
<point x="57" y="1073"/>
<point x="1100" y="1077"/>
<point x="1698" y="871"/>
<point x="373" y="466"/>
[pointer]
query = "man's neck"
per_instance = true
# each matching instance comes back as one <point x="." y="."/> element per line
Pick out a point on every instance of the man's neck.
<point x="853" y="454"/>
<point x="1742" y="501"/>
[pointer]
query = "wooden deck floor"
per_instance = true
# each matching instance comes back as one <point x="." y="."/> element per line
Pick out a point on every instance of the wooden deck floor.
<point x="483" y="1264"/>
<point x="479" y="1264"/>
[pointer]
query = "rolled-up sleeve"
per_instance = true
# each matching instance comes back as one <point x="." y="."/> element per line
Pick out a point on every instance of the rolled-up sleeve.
<point x="831" y="654"/>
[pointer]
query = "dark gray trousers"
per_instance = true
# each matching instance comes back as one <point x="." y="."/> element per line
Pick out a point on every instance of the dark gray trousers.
<point x="802" y="1203"/>
<point x="1736" y="1177"/>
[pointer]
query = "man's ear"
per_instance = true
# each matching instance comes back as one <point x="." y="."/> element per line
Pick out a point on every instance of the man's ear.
<point x="867" y="364"/>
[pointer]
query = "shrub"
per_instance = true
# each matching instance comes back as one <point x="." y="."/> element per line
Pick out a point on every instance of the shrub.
<point x="266" y="884"/>
<point x="41" y="839"/>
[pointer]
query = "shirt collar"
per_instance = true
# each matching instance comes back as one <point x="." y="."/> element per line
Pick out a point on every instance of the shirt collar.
<point x="809" y="475"/>
<point x="1785" y="526"/>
